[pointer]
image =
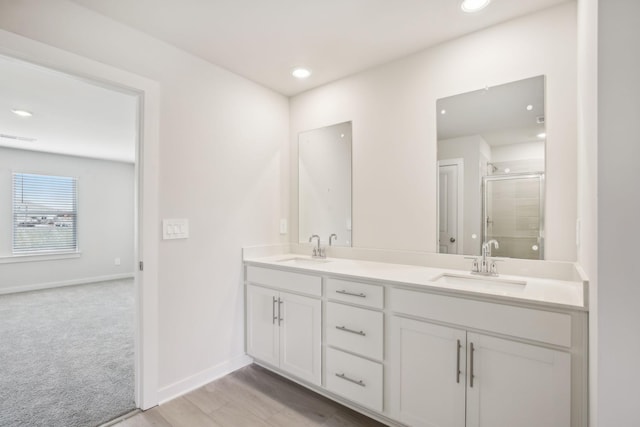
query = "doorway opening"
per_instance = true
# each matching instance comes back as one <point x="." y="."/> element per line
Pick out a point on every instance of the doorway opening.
<point x="69" y="289"/>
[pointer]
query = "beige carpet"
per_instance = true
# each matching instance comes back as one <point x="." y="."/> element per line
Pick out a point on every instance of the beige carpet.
<point x="66" y="355"/>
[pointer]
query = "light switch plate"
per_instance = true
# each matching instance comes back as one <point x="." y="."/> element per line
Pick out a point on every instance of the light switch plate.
<point x="283" y="226"/>
<point x="175" y="228"/>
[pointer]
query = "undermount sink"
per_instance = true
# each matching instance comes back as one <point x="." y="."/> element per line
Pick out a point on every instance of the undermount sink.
<point x="303" y="260"/>
<point x="478" y="281"/>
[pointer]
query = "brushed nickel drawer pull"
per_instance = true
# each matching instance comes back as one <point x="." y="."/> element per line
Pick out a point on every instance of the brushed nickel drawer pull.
<point x="357" y="382"/>
<point x="273" y="310"/>
<point x="458" y="362"/>
<point x="471" y="376"/>
<point x="344" y="292"/>
<point x="344" y="328"/>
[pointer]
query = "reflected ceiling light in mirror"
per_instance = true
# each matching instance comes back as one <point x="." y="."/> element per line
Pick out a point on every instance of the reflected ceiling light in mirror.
<point x="529" y="107"/>
<point x="542" y="135"/>
<point x="301" y="72"/>
<point x="471" y="6"/>
<point x="443" y="111"/>
<point x="21" y="113"/>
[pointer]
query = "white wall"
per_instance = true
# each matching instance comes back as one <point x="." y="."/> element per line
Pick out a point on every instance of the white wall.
<point x="223" y="165"/>
<point x="520" y="151"/>
<point x="618" y="207"/>
<point x="394" y="126"/>
<point x="588" y="178"/>
<point x="105" y="220"/>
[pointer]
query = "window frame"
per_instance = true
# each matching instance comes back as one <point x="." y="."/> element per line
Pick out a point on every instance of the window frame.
<point x="45" y="254"/>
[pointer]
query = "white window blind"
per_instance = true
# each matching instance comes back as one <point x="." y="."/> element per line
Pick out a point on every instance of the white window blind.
<point x="44" y="213"/>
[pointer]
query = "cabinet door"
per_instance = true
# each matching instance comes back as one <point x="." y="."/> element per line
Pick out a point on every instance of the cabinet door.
<point x="428" y="378"/>
<point x="517" y="384"/>
<point x="262" y="324"/>
<point x="300" y="336"/>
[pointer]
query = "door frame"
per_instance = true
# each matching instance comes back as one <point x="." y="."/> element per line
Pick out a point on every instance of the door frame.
<point x="459" y="162"/>
<point x="146" y="237"/>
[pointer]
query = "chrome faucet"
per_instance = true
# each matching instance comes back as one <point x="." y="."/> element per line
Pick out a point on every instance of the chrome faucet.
<point x="318" y="252"/>
<point x="485" y="266"/>
<point x="333" y="236"/>
<point x="486" y="248"/>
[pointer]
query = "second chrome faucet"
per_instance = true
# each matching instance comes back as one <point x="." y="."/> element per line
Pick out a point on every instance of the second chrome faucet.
<point x="318" y="251"/>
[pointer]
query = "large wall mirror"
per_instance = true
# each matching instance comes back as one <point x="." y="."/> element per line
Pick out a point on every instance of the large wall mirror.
<point x="491" y="164"/>
<point x="324" y="184"/>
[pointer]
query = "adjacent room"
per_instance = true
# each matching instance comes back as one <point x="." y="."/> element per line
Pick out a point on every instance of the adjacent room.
<point x="67" y="292"/>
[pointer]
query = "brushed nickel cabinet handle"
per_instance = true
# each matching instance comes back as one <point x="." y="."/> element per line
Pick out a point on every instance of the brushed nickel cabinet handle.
<point x="458" y="347"/>
<point x="471" y="351"/>
<point x="280" y="319"/>
<point x="344" y="328"/>
<point x="273" y="310"/>
<point x="346" y="378"/>
<point x="344" y="292"/>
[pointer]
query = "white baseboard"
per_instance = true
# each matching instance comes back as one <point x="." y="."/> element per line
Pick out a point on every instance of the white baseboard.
<point x="60" y="284"/>
<point x="193" y="382"/>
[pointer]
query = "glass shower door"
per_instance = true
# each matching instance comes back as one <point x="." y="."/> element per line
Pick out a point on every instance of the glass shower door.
<point x="513" y="214"/>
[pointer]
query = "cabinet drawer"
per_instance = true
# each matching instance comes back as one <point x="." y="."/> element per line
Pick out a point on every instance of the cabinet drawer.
<point x="295" y="282"/>
<point x="355" y="329"/>
<point x="537" y="325"/>
<point x="355" y="292"/>
<point x="355" y="378"/>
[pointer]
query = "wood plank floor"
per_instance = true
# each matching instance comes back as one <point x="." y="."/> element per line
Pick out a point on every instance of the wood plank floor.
<point x="251" y="396"/>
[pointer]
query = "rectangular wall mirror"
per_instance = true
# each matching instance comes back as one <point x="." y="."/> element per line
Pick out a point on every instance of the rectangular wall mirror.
<point x="324" y="184"/>
<point x="491" y="164"/>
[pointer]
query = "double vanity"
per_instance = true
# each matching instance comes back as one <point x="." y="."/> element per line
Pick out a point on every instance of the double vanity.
<point x="421" y="345"/>
<point x="416" y="338"/>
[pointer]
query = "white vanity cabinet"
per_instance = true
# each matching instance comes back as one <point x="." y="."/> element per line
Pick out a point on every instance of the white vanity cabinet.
<point x="445" y="376"/>
<point x="516" y="384"/>
<point x="415" y="355"/>
<point x="354" y="334"/>
<point x="428" y="373"/>
<point x="285" y="329"/>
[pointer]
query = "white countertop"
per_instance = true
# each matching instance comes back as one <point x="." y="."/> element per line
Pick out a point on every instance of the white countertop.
<point x="539" y="291"/>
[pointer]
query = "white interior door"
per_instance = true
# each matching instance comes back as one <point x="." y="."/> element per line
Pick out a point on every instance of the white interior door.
<point x="517" y="384"/>
<point x="449" y="209"/>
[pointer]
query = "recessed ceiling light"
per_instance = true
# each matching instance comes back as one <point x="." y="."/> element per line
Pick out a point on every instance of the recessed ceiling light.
<point x="529" y="107"/>
<point x="301" y="73"/>
<point x="542" y="135"/>
<point x="471" y="6"/>
<point x="443" y="111"/>
<point x="21" y="113"/>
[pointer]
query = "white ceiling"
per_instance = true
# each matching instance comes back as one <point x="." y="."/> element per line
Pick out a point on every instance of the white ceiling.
<point x="264" y="40"/>
<point x="261" y="40"/>
<point x="70" y="116"/>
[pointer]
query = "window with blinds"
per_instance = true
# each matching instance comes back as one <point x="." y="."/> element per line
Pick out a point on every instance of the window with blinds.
<point x="44" y="213"/>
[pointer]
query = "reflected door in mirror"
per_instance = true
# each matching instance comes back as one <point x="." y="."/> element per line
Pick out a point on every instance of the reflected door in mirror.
<point x="450" y="196"/>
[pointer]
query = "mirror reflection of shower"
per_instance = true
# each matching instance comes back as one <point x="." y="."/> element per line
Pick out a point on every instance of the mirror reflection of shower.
<point x="513" y="214"/>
